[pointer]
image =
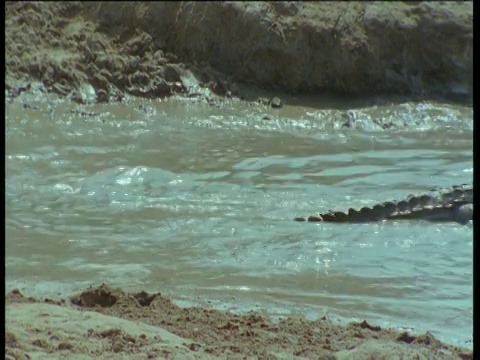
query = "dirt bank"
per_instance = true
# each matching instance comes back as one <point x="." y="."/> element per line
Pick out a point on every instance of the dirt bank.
<point x="108" y="323"/>
<point x="101" y="51"/>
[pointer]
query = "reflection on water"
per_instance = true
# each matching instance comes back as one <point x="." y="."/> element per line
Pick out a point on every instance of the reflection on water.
<point x="197" y="201"/>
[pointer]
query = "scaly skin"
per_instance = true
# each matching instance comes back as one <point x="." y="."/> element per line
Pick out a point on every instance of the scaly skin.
<point x="444" y="205"/>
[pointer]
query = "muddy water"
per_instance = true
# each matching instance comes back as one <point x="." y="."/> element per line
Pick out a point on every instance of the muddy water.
<point x="197" y="201"/>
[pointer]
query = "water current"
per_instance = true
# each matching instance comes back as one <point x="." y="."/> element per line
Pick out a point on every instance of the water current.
<point x="198" y="201"/>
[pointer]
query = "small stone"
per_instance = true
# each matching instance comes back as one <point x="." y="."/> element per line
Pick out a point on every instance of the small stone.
<point x="262" y="101"/>
<point x="102" y="96"/>
<point x="276" y="103"/>
<point x="85" y="94"/>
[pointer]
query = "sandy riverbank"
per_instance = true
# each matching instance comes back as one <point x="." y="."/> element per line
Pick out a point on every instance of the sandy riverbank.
<point x="108" y="323"/>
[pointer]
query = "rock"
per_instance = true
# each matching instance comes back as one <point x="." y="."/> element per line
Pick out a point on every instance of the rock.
<point x="99" y="81"/>
<point x="172" y="72"/>
<point x="85" y="94"/>
<point x="276" y="103"/>
<point x="102" y="96"/>
<point x="350" y="116"/>
<point x="178" y="87"/>
<point x="263" y="101"/>
<point x="61" y="89"/>
<point x="139" y="44"/>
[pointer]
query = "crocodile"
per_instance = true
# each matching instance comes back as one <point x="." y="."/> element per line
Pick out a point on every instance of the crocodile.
<point x="454" y="204"/>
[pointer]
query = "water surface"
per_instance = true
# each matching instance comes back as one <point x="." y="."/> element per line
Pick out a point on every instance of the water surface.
<point x="197" y="202"/>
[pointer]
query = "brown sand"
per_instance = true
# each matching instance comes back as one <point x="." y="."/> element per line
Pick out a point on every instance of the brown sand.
<point x="107" y="323"/>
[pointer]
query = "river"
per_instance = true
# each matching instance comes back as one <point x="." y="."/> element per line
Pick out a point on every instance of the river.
<point x="198" y="201"/>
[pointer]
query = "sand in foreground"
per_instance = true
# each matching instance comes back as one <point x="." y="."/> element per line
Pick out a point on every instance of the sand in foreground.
<point x="107" y="323"/>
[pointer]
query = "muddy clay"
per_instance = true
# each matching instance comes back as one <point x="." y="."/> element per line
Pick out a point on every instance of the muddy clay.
<point x="104" y="322"/>
<point x="100" y="51"/>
